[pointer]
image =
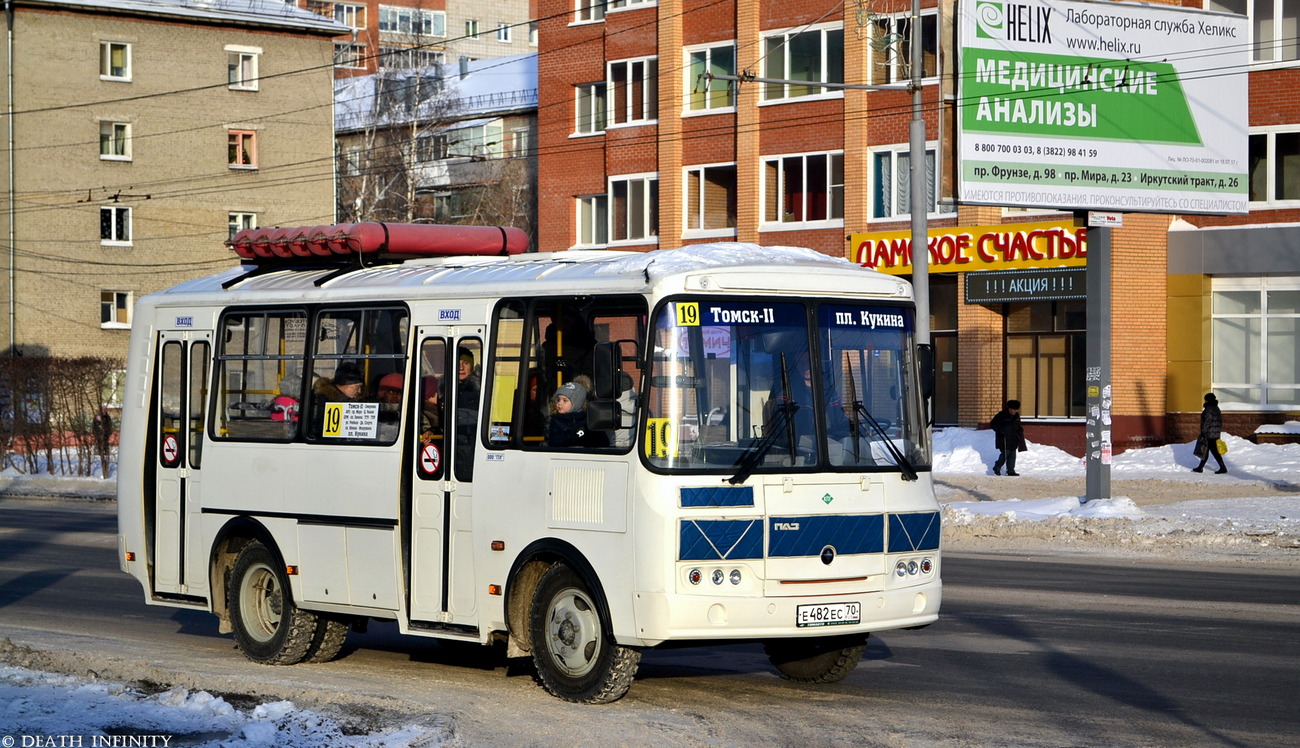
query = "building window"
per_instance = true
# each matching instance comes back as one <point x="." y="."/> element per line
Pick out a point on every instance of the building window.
<point x="348" y="55"/>
<point x="710" y="197"/>
<point x="814" y="55"/>
<point x="471" y="29"/>
<point x="241" y="221"/>
<point x="532" y="33"/>
<point x="804" y="188"/>
<point x="114" y="61"/>
<point x="242" y="149"/>
<point x="503" y="32"/>
<point x="591" y="109"/>
<point x="710" y="95"/>
<point x="350" y="159"/>
<point x="891" y="171"/>
<point x="633" y="208"/>
<point x="633" y="91"/>
<point x="1274" y="26"/>
<point x="1046" y="357"/>
<point x="115" y="226"/>
<point x="624" y="4"/>
<point x="890" y="50"/>
<point x="587" y="11"/>
<point x="241" y="63"/>
<point x="1255" y="329"/>
<point x="1274" y="166"/>
<point x="476" y="141"/>
<point x="114" y="309"/>
<point x="521" y="142"/>
<point x="408" y="58"/>
<point x="400" y="20"/>
<point x="352" y="16"/>
<point x="115" y="141"/>
<point x="593" y="220"/>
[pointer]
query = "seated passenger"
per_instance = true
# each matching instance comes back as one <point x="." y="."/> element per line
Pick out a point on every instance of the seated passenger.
<point x="344" y="386"/>
<point x="285" y="406"/>
<point x="390" y="388"/>
<point x="430" y="406"/>
<point x="568" y="420"/>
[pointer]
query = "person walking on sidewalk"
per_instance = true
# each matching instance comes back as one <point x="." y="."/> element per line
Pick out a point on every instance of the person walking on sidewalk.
<point x="1207" y="443"/>
<point x="1008" y="437"/>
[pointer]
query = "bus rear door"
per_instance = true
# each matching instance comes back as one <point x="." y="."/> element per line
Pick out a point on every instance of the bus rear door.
<point x="449" y="387"/>
<point x="184" y="358"/>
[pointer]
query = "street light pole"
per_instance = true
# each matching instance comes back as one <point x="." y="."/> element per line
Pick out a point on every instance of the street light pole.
<point x="920" y="194"/>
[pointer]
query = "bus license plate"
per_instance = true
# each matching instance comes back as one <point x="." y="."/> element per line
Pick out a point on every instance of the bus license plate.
<point x="831" y="614"/>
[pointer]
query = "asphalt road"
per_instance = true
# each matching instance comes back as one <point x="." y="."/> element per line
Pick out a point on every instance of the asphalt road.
<point x="1029" y="651"/>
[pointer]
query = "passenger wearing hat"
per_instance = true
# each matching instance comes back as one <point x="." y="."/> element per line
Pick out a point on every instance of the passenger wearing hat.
<point x="344" y="386"/>
<point x="390" y="388"/>
<point x="285" y="406"/>
<point x="1207" y="442"/>
<point x="568" y="420"/>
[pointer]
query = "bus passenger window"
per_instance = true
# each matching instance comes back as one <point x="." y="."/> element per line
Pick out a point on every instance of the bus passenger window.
<point x="259" y="375"/>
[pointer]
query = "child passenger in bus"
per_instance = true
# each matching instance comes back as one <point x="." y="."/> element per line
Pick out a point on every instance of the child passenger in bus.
<point x="568" y="420"/>
<point x="285" y="406"/>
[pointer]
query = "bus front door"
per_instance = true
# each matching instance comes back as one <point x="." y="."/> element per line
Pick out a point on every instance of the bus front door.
<point x="449" y="388"/>
<point x="181" y="396"/>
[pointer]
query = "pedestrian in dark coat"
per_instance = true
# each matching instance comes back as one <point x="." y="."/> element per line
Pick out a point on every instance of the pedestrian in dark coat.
<point x="1207" y="442"/>
<point x="1008" y="437"/>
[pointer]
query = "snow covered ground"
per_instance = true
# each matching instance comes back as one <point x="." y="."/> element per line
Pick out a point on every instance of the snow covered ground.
<point x="1157" y="505"/>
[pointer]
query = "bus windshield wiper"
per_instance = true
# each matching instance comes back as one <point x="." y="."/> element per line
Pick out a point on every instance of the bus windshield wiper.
<point x="909" y="472"/>
<point x="782" y="421"/>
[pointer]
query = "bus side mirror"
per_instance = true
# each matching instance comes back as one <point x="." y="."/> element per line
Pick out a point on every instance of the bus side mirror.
<point x="925" y="367"/>
<point x="604" y="415"/>
<point x="607" y="362"/>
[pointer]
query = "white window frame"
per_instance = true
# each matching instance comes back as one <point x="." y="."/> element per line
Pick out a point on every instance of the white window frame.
<point x="471" y="28"/>
<point x="1280" y="40"/>
<point x="786" y="95"/>
<point x="238" y="221"/>
<point x="697" y="172"/>
<point x="119" y="139"/>
<point x="348" y="15"/>
<point x="590" y="109"/>
<point x="1260" y="347"/>
<point x="349" y="56"/>
<point x="1274" y="165"/>
<point x="114" y="305"/>
<point x="114" y="238"/>
<point x="649" y="98"/>
<point x="615" y="6"/>
<point x="894" y="152"/>
<point x="780" y="224"/>
<point x="532" y="33"/>
<point x="404" y="20"/>
<point x="591" y="215"/>
<point x="503" y="32"/>
<point x="244" y="135"/>
<point x="649" y="182"/>
<point x="588" y="11"/>
<point x="106" y="61"/>
<point x="898" y="56"/>
<point x="242" y="64"/>
<point x="691" y="83"/>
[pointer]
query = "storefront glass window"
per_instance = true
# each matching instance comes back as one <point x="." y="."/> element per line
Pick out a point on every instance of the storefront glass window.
<point x="1256" y="342"/>
<point x="1046" y="358"/>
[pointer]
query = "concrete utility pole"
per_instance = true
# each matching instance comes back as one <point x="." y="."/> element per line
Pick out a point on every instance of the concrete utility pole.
<point x="920" y="195"/>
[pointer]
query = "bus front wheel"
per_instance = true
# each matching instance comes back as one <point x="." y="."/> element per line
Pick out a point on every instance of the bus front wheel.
<point x="269" y="627"/>
<point x="575" y="657"/>
<point x="821" y="660"/>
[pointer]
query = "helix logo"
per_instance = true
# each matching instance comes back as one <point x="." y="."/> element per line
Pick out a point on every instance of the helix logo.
<point x="1013" y="22"/>
<point x="990" y="21"/>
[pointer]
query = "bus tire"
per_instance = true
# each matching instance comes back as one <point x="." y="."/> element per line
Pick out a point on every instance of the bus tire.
<point x="821" y="660"/>
<point x="575" y="656"/>
<point x="331" y="633"/>
<point x="269" y="628"/>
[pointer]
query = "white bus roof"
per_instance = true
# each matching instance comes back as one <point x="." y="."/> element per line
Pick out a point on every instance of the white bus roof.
<point x="715" y="267"/>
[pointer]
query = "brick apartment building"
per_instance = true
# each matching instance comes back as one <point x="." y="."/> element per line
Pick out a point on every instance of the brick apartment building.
<point x="144" y="134"/>
<point x="407" y="34"/>
<point x="635" y="152"/>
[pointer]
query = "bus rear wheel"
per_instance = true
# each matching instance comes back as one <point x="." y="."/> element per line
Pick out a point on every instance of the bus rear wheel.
<point x="822" y="660"/>
<point x="575" y="657"/>
<point x="269" y="627"/>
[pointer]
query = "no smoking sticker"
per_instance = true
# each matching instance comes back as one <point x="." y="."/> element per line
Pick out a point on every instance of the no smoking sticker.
<point x="430" y="458"/>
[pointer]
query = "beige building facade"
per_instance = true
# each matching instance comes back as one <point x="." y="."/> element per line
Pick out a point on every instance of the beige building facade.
<point x="143" y="135"/>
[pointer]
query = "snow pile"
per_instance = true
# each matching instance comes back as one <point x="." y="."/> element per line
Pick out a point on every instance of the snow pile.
<point x="43" y="708"/>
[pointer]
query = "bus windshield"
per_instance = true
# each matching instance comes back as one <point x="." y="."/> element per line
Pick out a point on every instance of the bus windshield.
<point x="751" y="386"/>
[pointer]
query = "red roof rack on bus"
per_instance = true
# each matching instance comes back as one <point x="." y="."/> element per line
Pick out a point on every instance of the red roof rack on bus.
<point x="377" y="241"/>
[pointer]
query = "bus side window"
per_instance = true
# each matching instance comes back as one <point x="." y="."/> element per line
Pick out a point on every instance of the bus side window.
<point x="469" y="357"/>
<point x="432" y="414"/>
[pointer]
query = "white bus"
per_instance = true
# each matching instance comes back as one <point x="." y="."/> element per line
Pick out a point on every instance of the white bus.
<point x="341" y="429"/>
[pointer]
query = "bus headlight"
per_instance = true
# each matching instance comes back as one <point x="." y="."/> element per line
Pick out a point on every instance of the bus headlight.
<point x="735" y="576"/>
<point x="913" y="567"/>
<point x="694" y="575"/>
<point x="900" y="568"/>
<point x="718" y="576"/>
<point x="927" y="565"/>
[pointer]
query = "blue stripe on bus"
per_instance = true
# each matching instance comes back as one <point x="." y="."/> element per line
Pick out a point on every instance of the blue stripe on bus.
<point x="718" y="496"/>
<point x="913" y="532"/>
<point x="807" y="536"/>
<point x="719" y="539"/>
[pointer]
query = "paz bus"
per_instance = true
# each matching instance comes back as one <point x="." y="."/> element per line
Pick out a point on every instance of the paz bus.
<point x="352" y="425"/>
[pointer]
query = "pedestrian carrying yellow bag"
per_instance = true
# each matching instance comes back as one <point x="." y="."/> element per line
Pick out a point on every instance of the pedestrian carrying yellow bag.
<point x="1223" y="446"/>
